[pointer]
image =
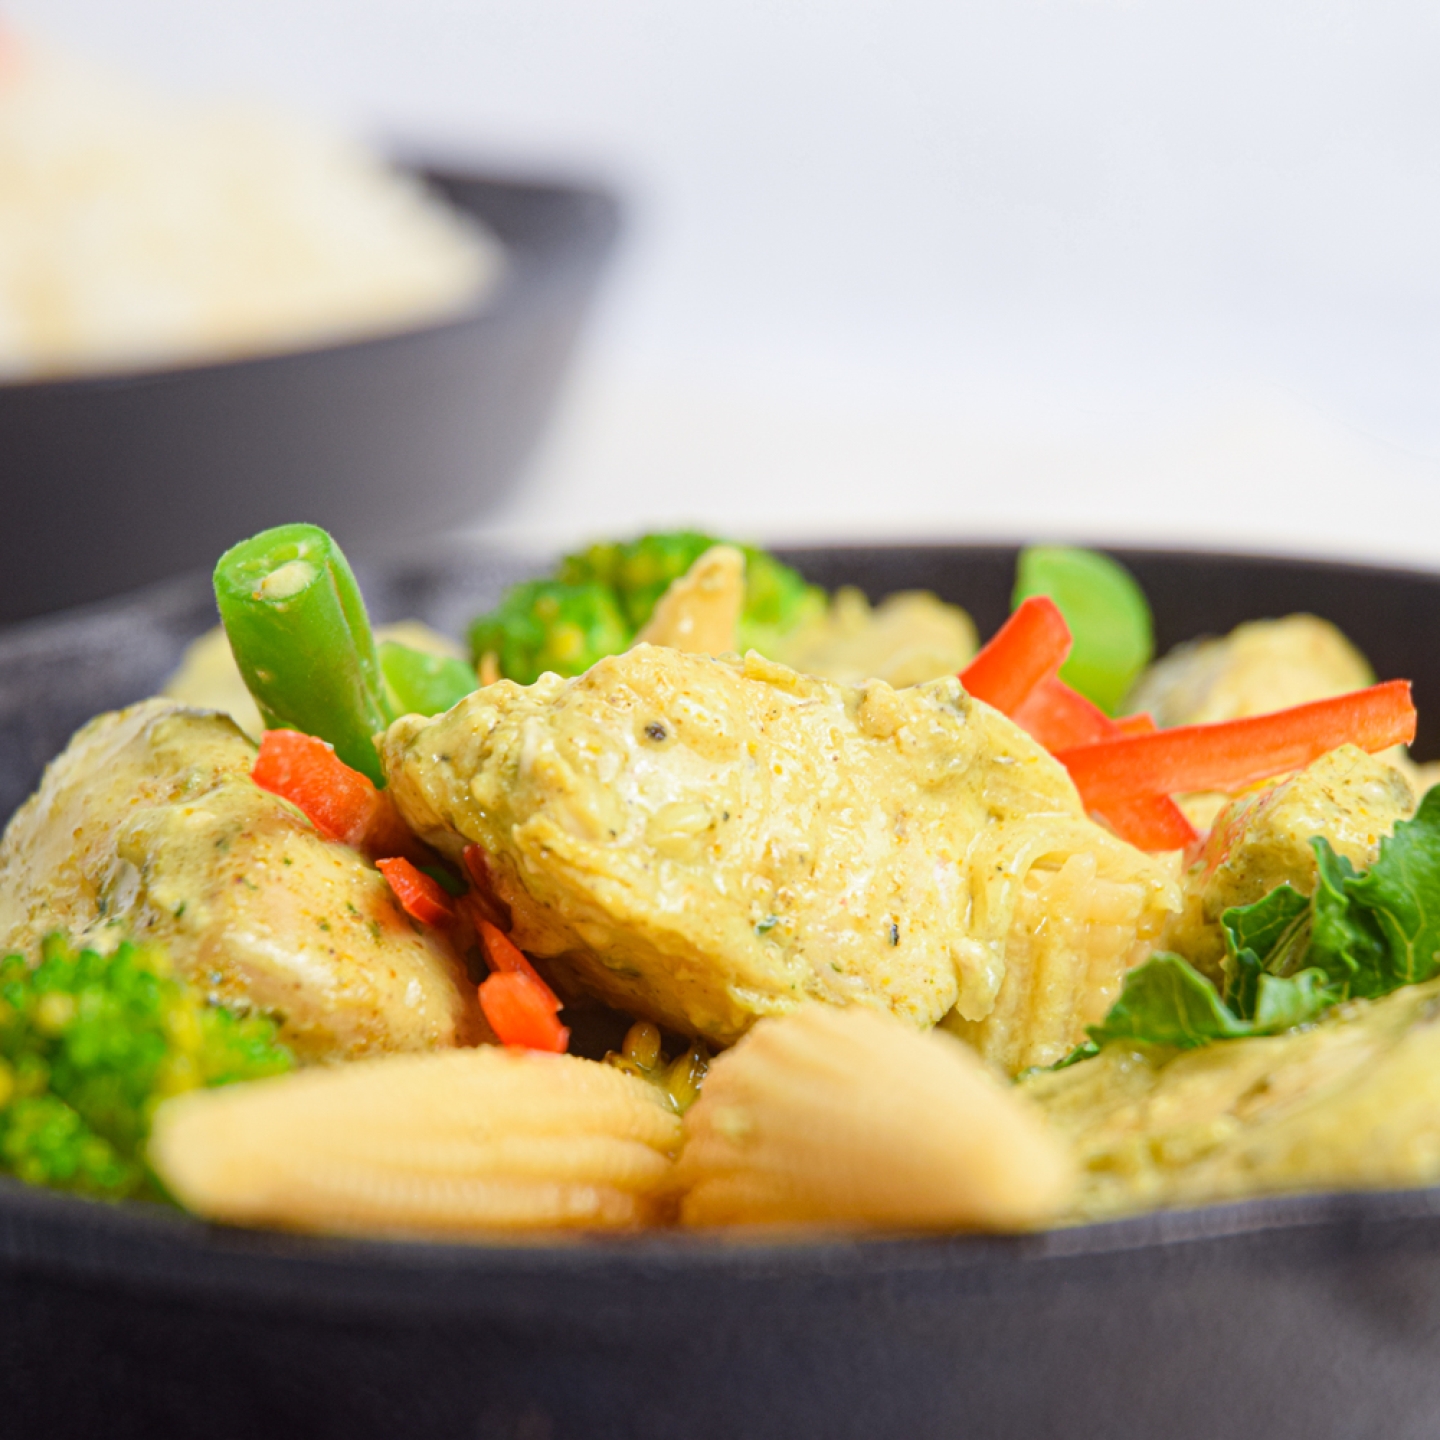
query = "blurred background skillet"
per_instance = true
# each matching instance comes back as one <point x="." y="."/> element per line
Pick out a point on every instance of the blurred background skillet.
<point x="112" y="481"/>
<point x="1307" y="1316"/>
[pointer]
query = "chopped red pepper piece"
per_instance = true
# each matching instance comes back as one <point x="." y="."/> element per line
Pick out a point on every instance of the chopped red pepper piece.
<point x="419" y="896"/>
<point x="520" y="1012"/>
<point x="519" y="1005"/>
<point x="1232" y="754"/>
<point x="482" y="892"/>
<point x="1141" y="724"/>
<point x="1061" y="718"/>
<point x="504" y="956"/>
<point x="340" y="802"/>
<point x="1028" y="648"/>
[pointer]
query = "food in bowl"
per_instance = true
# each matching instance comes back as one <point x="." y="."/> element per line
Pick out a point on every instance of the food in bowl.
<point x="140" y="231"/>
<point x="940" y="954"/>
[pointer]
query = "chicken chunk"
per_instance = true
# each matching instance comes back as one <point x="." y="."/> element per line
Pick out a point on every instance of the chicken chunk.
<point x="1258" y="667"/>
<point x="906" y="639"/>
<point x="1353" y="1101"/>
<point x="1263" y="840"/>
<point x="150" y="825"/>
<point x="701" y="609"/>
<point x="705" y="842"/>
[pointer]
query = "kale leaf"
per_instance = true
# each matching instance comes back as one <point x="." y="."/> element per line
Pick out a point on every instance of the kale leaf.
<point x="1290" y="957"/>
<point x="1399" y="897"/>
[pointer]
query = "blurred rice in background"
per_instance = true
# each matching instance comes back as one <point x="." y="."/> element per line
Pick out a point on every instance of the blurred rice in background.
<point x="1099" y="269"/>
<point x="139" y="230"/>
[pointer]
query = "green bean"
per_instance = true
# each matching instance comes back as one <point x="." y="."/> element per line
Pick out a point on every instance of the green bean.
<point x="297" y="626"/>
<point x="420" y="683"/>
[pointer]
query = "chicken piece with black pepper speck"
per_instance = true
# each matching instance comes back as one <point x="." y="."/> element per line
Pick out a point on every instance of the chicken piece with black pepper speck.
<point x="704" y="842"/>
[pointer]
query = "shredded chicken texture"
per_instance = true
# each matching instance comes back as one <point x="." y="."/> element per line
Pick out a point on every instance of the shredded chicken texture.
<point x="1083" y="920"/>
<point x="906" y="639"/>
<point x="150" y="825"/>
<point x="706" y="842"/>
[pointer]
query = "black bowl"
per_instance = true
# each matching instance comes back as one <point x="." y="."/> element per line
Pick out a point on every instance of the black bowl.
<point x="1308" y="1316"/>
<point x="115" y="481"/>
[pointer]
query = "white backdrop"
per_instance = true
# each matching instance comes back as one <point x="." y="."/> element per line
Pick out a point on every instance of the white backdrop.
<point x="1064" y="267"/>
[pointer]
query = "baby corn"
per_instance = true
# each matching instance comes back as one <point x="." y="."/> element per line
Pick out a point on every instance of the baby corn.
<point x="450" y="1143"/>
<point x="850" y="1117"/>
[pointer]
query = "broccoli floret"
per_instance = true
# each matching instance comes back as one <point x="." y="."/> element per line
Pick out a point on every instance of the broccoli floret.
<point x="606" y="593"/>
<point x="545" y="625"/>
<point x="90" y="1044"/>
<point x="640" y="570"/>
<point x="777" y="601"/>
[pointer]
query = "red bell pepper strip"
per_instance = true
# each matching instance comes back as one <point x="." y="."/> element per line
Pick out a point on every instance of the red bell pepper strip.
<point x="1028" y="648"/>
<point x="1151" y="822"/>
<point x="1232" y="754"/>
<point x="519" y="1011"/>
<point x="419" y="896"/>
<point x="1061" y="718"/>
<point x="340" y="802"/>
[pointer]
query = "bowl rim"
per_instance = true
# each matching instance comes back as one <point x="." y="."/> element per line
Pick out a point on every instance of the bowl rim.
<point x="170" y="1252"/>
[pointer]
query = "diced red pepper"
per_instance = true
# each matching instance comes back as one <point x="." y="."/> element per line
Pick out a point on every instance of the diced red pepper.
<point x="522" y="1011"/>
<point x="1061" y="718"/>
<point x="1232" y="754"/>
<point x="504" y="956"/>
<point x="1141" y="724"/>
<point x="477" y="866"/>
<point x="482" y="892"/>
<point x="419" y="896"/>
<point x="1028" y="648"/>
<point x="340" y="802"/>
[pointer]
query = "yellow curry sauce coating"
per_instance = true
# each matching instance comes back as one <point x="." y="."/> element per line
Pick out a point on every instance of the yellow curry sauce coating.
<point x="1352" y="1102"/>
<point x="149" y="824"/>
<point x="705" y="842"/>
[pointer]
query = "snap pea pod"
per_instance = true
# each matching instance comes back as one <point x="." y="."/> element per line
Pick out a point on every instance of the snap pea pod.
<point x="1106" y="610"/>
<point x="421" y="683"/>
<point x="296" y="621"/>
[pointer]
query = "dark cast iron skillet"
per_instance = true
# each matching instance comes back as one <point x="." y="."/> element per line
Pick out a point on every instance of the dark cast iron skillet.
<point x="1307" y="1316"/>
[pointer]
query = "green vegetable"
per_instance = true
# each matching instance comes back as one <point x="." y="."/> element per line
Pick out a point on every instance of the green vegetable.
<point x="552" y="625"/>
<point x="1379" y="930"/>
<point x="637" y="571"/>
<point x="1290" y="958"/>
<point x="420" y="683"/>
<point x="297" y="626"/>
<point x="777" y="601"/>
<point x="602" y="596"/>
<point x="1107" y="614"/>
<point x="446" y="879"/>
<point x="90" y="1044"/>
